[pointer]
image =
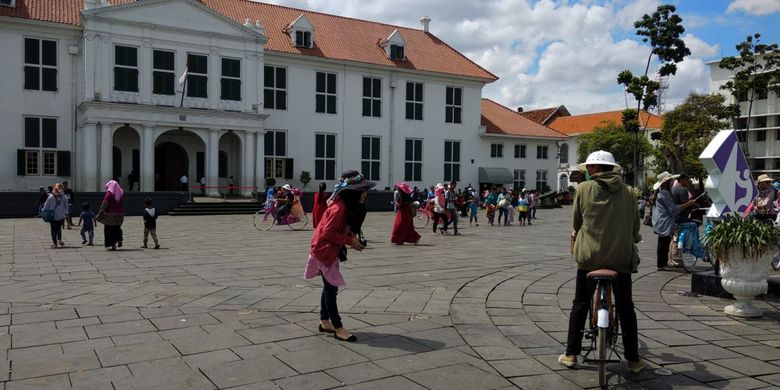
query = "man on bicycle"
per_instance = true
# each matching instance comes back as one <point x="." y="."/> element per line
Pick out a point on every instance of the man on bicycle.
<point x="284" y="201"/>
<point x="606" y="228"/>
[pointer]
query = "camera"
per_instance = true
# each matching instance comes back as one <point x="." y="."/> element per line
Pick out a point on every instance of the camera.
<point x="343" y="252"/>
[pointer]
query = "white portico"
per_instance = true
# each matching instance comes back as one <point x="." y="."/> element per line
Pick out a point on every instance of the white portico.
<point x="143" y="119"/>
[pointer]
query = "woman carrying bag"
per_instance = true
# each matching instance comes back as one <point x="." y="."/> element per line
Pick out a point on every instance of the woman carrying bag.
<point x="54" y="212"/>
<point x="663" y="214"/>
<point x="343" y="217"/>
<point x="112" y="215"/>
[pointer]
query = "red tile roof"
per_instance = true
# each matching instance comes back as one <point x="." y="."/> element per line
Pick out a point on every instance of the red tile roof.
<point x="545" y="115"/>
<point x="501" y="120"/>
<point x="586" y="123"/>
<point x="335" y="37"/>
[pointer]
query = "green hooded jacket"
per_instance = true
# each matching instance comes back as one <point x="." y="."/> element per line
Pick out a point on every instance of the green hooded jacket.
<point x="606" y="219"/>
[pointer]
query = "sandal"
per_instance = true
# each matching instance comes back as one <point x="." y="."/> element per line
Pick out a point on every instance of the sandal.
<point x="323" y="330"/>
<point x="350" y="339"/>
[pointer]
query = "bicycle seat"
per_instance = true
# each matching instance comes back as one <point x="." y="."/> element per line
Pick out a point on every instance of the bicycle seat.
<point x="603" y="274"/>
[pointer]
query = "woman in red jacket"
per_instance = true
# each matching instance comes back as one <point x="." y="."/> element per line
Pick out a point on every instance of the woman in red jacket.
<point x="340" y="226"/>
<point x="320" y="204"/>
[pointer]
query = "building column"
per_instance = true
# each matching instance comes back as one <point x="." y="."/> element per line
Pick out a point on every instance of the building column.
<point x="260" y="162"/>
<point x="106" y="152"/>
<point x="89" y="157"/>
<point x="147" y="159"/>
<point x="212" y="159"/>
<point x="249" y="164"/>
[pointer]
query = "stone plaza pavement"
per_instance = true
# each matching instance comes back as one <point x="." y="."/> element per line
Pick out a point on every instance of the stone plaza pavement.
<point x="223" y="305"/>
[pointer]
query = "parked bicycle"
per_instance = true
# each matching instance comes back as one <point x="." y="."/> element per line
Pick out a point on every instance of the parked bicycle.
<point x="604" y="326"/>
<point x="295" y="218"/>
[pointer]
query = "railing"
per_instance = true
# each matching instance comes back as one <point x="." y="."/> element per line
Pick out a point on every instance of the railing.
<point x="226" y="190"/>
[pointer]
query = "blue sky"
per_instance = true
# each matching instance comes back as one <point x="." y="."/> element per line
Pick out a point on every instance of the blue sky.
<point x="552" y="52"/>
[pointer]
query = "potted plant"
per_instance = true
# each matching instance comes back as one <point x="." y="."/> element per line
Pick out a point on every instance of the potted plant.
<point x="742" y="246"/>
<point x="305" y="179"/>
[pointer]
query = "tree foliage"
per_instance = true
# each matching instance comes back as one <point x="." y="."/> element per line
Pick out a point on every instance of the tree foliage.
<point x="663" y="30"/>
<point x="686" y="132"/>
<point x="613" y="138"/>
<point x="756" y="70"/>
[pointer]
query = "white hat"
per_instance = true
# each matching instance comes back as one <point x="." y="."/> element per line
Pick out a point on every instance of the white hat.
<point x="287" y="187"/>
<point x="600" y="157"/>
<point x="663" y="178"/>
<point x="439" y="185"/>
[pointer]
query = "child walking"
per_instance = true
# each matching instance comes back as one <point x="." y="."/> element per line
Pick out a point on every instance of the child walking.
<point x="522" y="208"/>
<point x="87" y="222"/>
<point x="150" y="224"/>
<point x="473" y="208"/>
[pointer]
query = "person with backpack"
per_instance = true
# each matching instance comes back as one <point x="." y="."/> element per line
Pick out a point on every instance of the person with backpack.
<point x="54" y="212"/>
<point x="665" y="210"/>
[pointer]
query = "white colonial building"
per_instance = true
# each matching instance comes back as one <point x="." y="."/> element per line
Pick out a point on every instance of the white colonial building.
<point x="92" y="92"/>
<point x="762" y="140"/>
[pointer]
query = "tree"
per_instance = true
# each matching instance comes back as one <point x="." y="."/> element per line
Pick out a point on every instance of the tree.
<point x="686" y="132"/>
<point x="662" y="30"/>
<point x="615" y="139"/>
<point x="756" y="71"/>
<point x="305" y="179"/>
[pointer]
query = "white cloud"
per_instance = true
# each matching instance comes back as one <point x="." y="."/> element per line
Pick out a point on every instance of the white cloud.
<point x="754" y="7"/>
<point x="545" y="52"/>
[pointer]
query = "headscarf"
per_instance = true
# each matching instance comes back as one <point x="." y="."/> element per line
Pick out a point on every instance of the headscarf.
<point x="113" y="187"/>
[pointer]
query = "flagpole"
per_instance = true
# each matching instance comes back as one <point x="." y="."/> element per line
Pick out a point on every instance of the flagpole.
<point x="183" y="90"/>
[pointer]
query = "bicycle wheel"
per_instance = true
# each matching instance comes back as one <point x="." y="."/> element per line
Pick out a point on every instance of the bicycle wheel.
<point x="300" y="223"/>
<point x="263" y="220"/>
<point x="421" y="220"/>
<point x="686" y="253"/>
<point x="601" y="343"/>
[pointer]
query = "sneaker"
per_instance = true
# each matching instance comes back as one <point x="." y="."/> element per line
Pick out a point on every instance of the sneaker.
<point x="83" y="242"/>
<point x="636" y="366"/>
<point x="157" y="246"/>
<point x="144" y="246"/>
<point x="62" y="243"/>
<point x="568" y="361"/>
<point x="90" y="244"/>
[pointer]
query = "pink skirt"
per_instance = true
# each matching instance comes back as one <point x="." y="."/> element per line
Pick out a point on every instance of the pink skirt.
<point x="331" y="273"/>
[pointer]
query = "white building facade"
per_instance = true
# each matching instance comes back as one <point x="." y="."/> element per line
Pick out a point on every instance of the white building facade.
<point x="98" y="96"/>
<point x="762" y="141"/>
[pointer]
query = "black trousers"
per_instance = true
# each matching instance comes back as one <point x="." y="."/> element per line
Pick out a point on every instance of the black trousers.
<point x="453" y="220"/>
<point x="329" y="310"/>
<point x="624" y="306"/>
<point x="436" y="217"/>
<point x="662" y="251"/>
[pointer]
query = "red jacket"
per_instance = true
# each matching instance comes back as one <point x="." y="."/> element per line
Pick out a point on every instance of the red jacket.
<point x="320" y="204"/>
<point x="331" y="233"/>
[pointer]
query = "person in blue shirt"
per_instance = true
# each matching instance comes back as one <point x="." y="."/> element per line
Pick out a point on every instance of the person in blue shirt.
<point x="87" y="222"/>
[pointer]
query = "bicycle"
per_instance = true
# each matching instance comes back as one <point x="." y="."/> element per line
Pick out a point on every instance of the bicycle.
<point x="424" y="214"/>
<point x="690" y="246"/>
<point x="604" y="326"/>
<point x="295" y="218"/>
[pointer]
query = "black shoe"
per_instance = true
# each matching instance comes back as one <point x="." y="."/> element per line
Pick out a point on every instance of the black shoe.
<point x="119" y="244"/>
<point x="157" y="246"/>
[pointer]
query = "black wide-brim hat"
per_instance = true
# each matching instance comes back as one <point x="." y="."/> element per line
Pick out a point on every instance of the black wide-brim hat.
<point x="354" y="180"/>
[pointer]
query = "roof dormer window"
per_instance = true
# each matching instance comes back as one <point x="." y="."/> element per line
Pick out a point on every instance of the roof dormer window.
<point x="396" y="52"/>
<point x="301" y="32"/>
<point x="394" y="46"/>
<point x="303" y="38"/>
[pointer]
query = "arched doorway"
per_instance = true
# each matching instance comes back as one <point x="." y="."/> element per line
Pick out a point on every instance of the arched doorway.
<point x="170" y="163"/>
<point x="126" y="157"/>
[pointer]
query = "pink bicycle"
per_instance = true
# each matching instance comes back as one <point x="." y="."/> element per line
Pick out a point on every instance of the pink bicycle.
<point x="295" y="218"/>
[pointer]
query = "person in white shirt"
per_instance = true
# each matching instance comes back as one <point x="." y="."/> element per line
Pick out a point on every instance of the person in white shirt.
<point x="184" y="180"/>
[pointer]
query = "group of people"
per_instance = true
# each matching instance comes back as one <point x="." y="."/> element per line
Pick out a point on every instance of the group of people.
<point x="55" y="210"/>
<point x="506" y="202"/>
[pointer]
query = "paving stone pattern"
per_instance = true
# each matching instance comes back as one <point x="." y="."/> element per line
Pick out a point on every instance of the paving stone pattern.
<point x="222" y="305"/>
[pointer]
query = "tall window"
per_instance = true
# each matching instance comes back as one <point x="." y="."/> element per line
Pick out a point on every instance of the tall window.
<point x="40" y="142"/>
<point x="519" y="179"/>
<point x="275" y="91"/>
<point x="541" y="181"/>
<point x="414" y="101"/>
<point x="541" y="152"/>
<point x="760" y="122"/>
<point x="276" y="163"/>
<point x="126" y="68"/>
<point x="324" y="157"/>
<point x="371" y="153"/>
<point x="453" y="105"/>
<point x="372" y="97"/>
<point x="761" y="136"/>
<point x="163" y="74"/>
<point x="231" y="79"/>
<point x="451" y="160"/>
<point x="40" y="64"/>
<point x="564" y="154"/>
<point x="326" y="93"/>
<point x="197" y="75"/>
<point x="496" y="150"/>
<point x="520" y="151"/>
<point x="413" y="160"/>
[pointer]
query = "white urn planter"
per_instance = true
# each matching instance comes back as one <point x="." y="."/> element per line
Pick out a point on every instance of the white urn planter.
<point x="744" y="279"/>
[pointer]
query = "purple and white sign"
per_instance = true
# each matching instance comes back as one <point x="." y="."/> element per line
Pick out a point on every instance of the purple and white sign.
<point x="730" y="183"/>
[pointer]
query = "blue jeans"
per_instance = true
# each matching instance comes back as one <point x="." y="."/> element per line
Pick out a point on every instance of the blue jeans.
<point x="329" y="310"/>
<point x="90" y="230"/>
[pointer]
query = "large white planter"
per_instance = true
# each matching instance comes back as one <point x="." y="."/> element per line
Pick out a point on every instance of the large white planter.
<point x="744" y="279"/>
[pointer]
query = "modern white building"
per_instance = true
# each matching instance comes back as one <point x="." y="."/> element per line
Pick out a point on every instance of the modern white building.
<point x="92" y="92"/>
<point x="762" y="141"/>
